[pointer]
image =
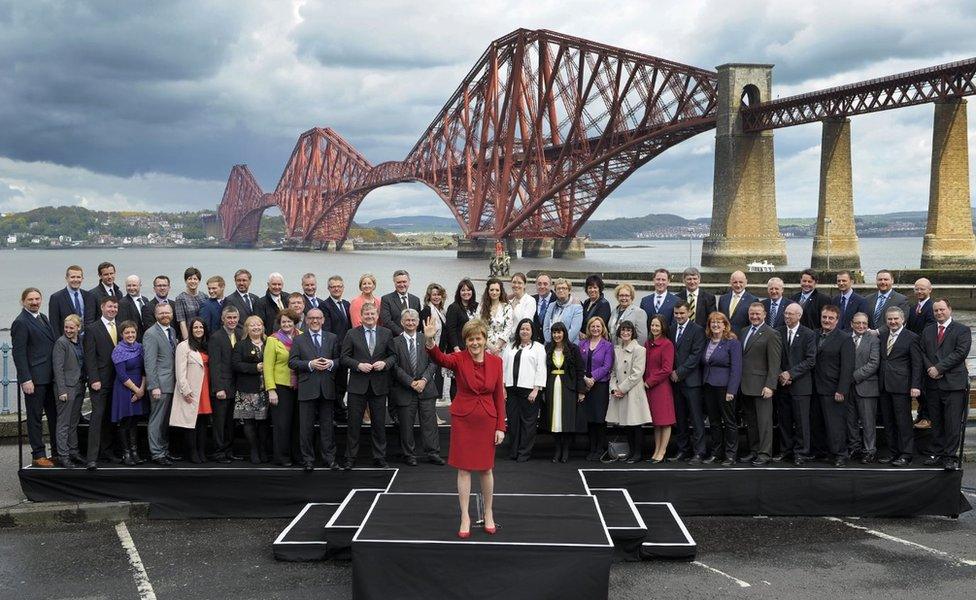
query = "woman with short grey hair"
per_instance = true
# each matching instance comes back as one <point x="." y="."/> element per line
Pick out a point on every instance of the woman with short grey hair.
<point x="69" y="390"/>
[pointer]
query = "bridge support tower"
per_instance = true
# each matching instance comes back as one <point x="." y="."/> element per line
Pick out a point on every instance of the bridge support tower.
<point x="835" y="245"/>
<point x="744" y="226"/>
<point x="537" y="248"/>
<point x="569" y="248"/>
<point x="949" y="241"/>
<point x="475" y="248"/>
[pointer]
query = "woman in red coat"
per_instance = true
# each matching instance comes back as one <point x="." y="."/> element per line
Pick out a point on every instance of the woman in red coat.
<point x="657" y="373"/>
<point x="477" y="414"/>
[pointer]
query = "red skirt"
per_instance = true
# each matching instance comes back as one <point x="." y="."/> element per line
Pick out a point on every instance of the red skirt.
<point x="473" y="441"/>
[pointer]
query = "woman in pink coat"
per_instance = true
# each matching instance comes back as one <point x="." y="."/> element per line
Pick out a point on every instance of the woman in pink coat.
<point x="657" y="373"/>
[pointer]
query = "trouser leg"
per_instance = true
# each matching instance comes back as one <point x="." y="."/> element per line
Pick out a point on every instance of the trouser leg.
<point x="730" y="426"/>
<point x="749" y="413"/>
<point x="854" y="444"/>
<point x="902" y="405"/>
<point x="890" y="426"/>
<point x="307" y="415"/>
<point x="406" y="416"/>
<point x="354" y="414"/>
<point x="714" y="397"/>
<point x="428" y="425"/>
<point x="784" y="421"/>
<point x="868" y="408"/>
<point x="529" y="417"/>
<point x="159" y="425"/>
<point x="377" y="405"/>
<point x="679" y="433"/>
<point x="800" y="406"/>
<point x="327" y="444"/>
<point x="281" y="422"/>
<point x="696" y="413"/>
<point x="835" y="421"/>
<point x="764" y="425"/>
<point x="513" y="407"/>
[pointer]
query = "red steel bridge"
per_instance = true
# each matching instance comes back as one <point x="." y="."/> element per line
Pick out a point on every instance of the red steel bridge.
<point x="541" y="130"/>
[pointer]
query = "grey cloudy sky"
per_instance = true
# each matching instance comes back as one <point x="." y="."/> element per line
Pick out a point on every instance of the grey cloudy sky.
<point x="147" y="105"/>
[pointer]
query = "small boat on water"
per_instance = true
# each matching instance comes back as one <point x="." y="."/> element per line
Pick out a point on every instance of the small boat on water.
<point x="763" y="266"/>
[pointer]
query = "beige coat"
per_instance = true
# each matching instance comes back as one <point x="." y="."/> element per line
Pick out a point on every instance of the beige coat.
<point x="189" y="381"/>
<point x="628" y="376"/>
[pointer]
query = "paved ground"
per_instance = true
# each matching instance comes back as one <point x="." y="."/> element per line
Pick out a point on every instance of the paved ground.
<point x="738" y="557"/>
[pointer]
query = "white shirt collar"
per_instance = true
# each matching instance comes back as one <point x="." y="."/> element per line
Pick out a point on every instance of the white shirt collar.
<point x="794" y="329"/>
<point x="896" y="333"/>
<point x="946" y="324"/>
<point x="107" y="321"/>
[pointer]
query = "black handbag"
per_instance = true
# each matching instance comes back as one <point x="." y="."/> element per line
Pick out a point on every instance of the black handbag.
<point x="616" y="450"/>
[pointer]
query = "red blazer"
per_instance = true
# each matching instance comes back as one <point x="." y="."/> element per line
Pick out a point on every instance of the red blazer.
<point x="658" y="367"/>
<point x="490" y="394"/>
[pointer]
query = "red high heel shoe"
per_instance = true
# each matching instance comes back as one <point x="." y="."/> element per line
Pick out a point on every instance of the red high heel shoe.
<point x="491" y="530"/>
<point x="464" y="534"/>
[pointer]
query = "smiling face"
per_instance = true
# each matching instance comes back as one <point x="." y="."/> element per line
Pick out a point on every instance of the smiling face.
<point x="287" y="325"/>
<point x="558" y="336"/>
<point x="592" y="292"/>
<point x="192" y="283"/>
<point x="884" y="281"/>
<point x="369" y="315"/>
<point x="595" y="329"/>
<point x="692" y="281"/>
<point x="74" y="278"/>
<point x="296" y="304"/>
<point x="309" y="286"/>
<point x="661" y="282"/>
<point x="542" y="285"/>
<point x="436" y="298"/>
<point x="231" y="320"/>
<point x="107" y="276"/>
<point x="129" y="335"/>
<point x="757" y="314"/>
<point x="336" y="288"/>
<point x="681" y="314"/>
<point x="401" y="283"/>
<point x="161" y="287"/>
<point x="737" y="282"/>
<point x="255" y="328"/>
<point x="198" y="330"/>
<point x="366" y="286"/>
<point x="243" y="282"/>
<point x="843" y="282"/>
<point x="494" y="292"/>
<point x="792" y="315"/>
<point x="716" y="326"/>
<point x="562" y="292"/>
<point x="71" y="329"/>
<point x="110" y="310"/>
<point x="518" y="286"/>
<point x="466" y="293"/>
<point x="941" y="311"/>
<point x="525" y="333"/>
<point x="475" y="343"/>
<point x="164" y="314"/>
<point x="409" y="323"/>
<point x="274" y="285"/>
<point x="133" y="285"/>
<point x="807" y="283"/>
<point x="624" y="298"/>
<point x="828" y="320"/>
<point x="859" y="324"/>
<point x="655" y="328"/>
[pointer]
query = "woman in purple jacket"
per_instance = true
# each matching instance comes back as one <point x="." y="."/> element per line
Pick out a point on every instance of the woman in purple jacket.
<point x="721" y="374"/>
<point x="597" y="353"/>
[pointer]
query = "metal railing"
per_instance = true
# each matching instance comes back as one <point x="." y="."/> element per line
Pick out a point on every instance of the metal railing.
<point x="5" y="379"/>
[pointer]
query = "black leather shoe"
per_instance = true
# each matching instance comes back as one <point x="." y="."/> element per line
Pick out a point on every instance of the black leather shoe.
<point x="285" y="464"/>
<point x="163" y="461"/>
<point x="66" y="463"/>
<point x="760" y="462"/>
<point x="884" y="460"/>
<point x="748" y="458"/>
<point x="799" y="461"/>
<point x="695" y="460"/>
<point x="224" y="460"/>
<point x="308" y="467"/>
<point x="932" y="461"/>
<point x="677" y="457"/>
<point x="411" y="461"/>
<point x="868" y="458"/>
<point x="708" y="459"/>
<point x="951" y="464"/>
<point x="901" y="461"/>
<point x="78" y="460"/>
<point x="782" y="456"/>
<point x="840" y="461"/>
<point x="91" y="466"/>
<point x="436" y="459"/>
<point x="380" y="463"/>
<point x="335" y="466"/>
<point x="633" y="458"/>
<point x="347" y="466"/>
<point x="174" y="458"/>
<point x="728" y="462"/>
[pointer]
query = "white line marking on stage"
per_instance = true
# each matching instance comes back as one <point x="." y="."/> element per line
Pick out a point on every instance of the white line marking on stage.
<point x="738" y="582"/>
<point x="138" y="570"/>
<point x="970" y="494"/>
<point x="904" y="542"/>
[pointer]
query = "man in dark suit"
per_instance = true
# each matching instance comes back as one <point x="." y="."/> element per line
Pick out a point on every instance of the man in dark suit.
<point x="849" y="302"/>
<point x="33" y="340"/>
<point x="211" y="309"/>
<point x="775" y="303"/>
<point x="394" y="303"/>
<point x="161" y="287"/>
<point x="900" y="380"/>
<point x="700" y="303"/>
<point x="413" y="391"/>
<point x="71" y="300"/>
<point x="314" y="356"/>
<point x="310" y="288"/>
<point x="811" y="299"/>
<point x="735" y="303"/>
<point x="367" y="351"/>
<point x="761" y="359"/>
<point x="242" y="299"/>
<point x="686" y="382"/>
<point x="106" y="284"/>
<point x="798" y="358"/>
<point x="99" y="342"/>
<point x="661" y="301"/>
<point x="274" y="301"/>
<point x="945" y="346"/>
<point x="544" y="296"/>
<point x="132" y="303"/>
<point x="338" y="321"/>
<point x="862" y="406"/>
<point x="222" y="388"/>
<point x="832" y="379"/>
<point x="879" y="301"/>
<point x="920" y="316"/>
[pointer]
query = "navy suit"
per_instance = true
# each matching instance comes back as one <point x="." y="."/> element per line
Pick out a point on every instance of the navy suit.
<point x="705" y="304"/>
<point x="61" y="304"/>
<point x="855" y="304"/>
<point x="721" y="374"/>
<point x="793" y="400"/>
<point x="33" y="347"/>
<point x="98" y="292"/>
<point x="948" y="394"/>
<point x="833" y="374"/>
<point x="900" y="371"/>
<point x="778" y="321"/>
<point x="740" y="318"/>
<point x="316" y="394"/>
<point x="687" y="390"/>
<point x="666" y="310"/>
<point x="338" y="322"/>
<point x="811" y="308"/>
<point x="920" y="317"/>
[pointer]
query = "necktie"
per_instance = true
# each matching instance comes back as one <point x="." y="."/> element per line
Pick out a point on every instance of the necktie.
<point x="138" y="301"/>
<point x="857" y="342"/>
<point x="110" y="292"/>
<point x="822" y="339"/>
<point x="918" y="309"/>
<point x="878" y="307"/>
<point x="843" y="306"/>
<point x="370" y="342"/>
<point x="773" y="309"/>
<point x="543" y="305"/>
<point x="733" y="304"/>
<point x="278" y="302"/>
<point x="940" y="335"/>
<point x="342" y="309"/>
<point x="657" y="304"/>
<point x="233" y="339"/>
<point x="789" y="338"/>
<point x="247" y="301"/>
<point x="79" y="309"/>
<point x="677" y="337"/>
<point x="315" y="342"/>
<point x="803" y="299"/>
<point x="891" y="343"/>
<point x="691" y="304"/>
<point x="169" y="336"/>
<point x="412" y="349"/>
<point x="403" y="302"/>
<point x="752" y="332"/>
<point x="315" y="302"/>
<point x="112" y="333"/>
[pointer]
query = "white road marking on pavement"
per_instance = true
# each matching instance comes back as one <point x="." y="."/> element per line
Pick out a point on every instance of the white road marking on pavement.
<point x="970" y="494"/>
<point x="139" y="571"/>
<point x="891" y="538"/>
<point x="738" y="582"/>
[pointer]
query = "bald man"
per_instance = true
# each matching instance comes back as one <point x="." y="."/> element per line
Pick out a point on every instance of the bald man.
<point x="735" y="303"/>
<point x="920" y="316"/>
<point x="775" y="304"/>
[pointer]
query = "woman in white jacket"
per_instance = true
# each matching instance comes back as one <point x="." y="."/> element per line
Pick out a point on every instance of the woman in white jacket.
<point x="496" y="312"/>
<point x="525" y="378"/>
<point x="628" y="399"/>
<point x="523" y="305"/>
<point x="191" y="396"/>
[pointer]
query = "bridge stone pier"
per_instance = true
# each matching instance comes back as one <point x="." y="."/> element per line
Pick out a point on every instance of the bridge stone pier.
<point x="744" y="226"/>
<point x="949" y="240"/>
<point x="835" y="245"/>
<point x="538" y="248"/>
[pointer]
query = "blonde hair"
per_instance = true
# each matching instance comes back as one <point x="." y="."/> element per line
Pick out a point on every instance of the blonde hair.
<point x="366" y="276"/>
<point x="474" y="327"/>
<point x="254" y="319"/>
<point x="562" y="281"/>
<point x="73" y="318"/>
<point x="627" y="287"/>
<point x="605" y="335"/>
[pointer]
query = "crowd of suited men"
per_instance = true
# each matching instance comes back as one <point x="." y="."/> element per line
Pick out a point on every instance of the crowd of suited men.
<point x="807" y="375"/>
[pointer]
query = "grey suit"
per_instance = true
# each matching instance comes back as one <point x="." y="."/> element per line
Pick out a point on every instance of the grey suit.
<point x="408" y="402"/>
<point x="893" y="299"/>
<point x="761" y="357"/>
<point x="69" y="380"/>
<point x="867" y="357"/>
<point x="160" y="354"/>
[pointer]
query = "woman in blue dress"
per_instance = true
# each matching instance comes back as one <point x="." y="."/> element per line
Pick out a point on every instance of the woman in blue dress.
<point x="128" y="393"/>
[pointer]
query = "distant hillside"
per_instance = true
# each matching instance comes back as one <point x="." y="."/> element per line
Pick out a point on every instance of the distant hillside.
<point x="421" y="223"/>
<point x="629" y="227"/>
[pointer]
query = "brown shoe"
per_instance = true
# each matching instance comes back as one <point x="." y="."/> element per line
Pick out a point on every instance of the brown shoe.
<point x="42" y="462"/>
<point x="923" y="424"/>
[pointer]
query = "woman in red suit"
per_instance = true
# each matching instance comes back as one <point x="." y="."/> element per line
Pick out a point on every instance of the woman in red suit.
<point x="660" y="363"/>
<point x="477" y="414"/>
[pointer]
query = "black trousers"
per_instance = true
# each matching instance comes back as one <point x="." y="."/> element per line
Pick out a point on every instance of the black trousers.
<point x="758" y="413"/>
<point x="100" y="424"/>
<point x="946" y="409"/>
<point x="377" y="408"/>
<point x="223" y="426"/>
<point x="284" y="423"/>
<point x="407" y="414"/>
<point x="818" y="428"/>
<point x="341" y="383"/>
<point x="39" y="404"/>
<point x="794" y="423"/>
<point x="896" y="414"/>
<point x="689" y="430"/>
<point x="835" y="424"/>
<point x="523" y="421"/>
<point x="721" y="422"/>
<point x="318" y="411"/>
